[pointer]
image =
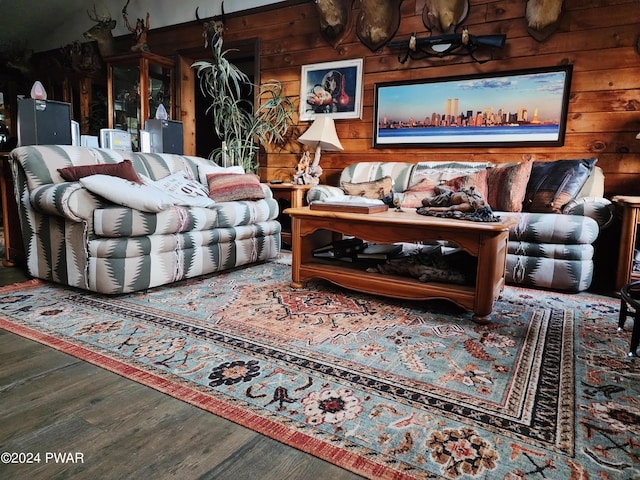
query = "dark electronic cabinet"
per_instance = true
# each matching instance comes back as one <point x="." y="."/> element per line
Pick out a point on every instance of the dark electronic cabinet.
<point x="166" y="136"/>
<point x="43" y="122"/>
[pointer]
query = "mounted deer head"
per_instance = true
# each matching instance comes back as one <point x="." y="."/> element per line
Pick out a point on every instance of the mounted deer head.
<point x="101" y="33"/>
<point x="543" y="17"/>
<point x="444" y="16"/>
<point x="378" y="22"/>
<point x="334" y="19"/>
<point x="212" y="30"/>
<point x="16" y="56"/>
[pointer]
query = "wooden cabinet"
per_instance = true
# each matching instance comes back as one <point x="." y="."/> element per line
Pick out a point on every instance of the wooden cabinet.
<point x="630" y="207"/>
<point x="13" y="246"/>
<point x="137" y="84"/>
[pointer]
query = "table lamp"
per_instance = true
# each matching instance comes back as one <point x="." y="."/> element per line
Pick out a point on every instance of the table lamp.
<point x="321" y="135"/>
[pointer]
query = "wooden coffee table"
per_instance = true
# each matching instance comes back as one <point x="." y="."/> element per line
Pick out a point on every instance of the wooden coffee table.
<point x="485" y="240"/>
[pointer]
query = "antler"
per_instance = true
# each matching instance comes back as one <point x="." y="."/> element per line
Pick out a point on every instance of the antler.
<point x="98" y="19"/>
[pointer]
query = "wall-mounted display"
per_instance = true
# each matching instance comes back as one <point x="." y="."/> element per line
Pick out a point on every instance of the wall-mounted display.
<point x="508" y="109"/>
<point x="331" y="88"/>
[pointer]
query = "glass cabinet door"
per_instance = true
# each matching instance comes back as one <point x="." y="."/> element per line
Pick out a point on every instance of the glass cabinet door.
<point x="138" y="83"/>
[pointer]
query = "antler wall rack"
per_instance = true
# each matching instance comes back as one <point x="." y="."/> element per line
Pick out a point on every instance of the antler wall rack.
<point x="444" y="45"/>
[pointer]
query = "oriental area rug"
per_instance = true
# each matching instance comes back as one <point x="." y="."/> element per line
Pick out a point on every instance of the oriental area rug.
<point x="384" y="388"/>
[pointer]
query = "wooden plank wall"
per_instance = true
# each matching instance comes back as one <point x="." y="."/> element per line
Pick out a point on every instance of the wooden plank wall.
<point x="599" y="37"/>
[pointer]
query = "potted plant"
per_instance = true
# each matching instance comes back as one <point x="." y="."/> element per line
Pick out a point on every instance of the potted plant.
<point x="241" y="127"/>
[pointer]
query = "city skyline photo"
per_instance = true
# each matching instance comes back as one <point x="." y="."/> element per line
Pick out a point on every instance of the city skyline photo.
<point x="525" y="99"/>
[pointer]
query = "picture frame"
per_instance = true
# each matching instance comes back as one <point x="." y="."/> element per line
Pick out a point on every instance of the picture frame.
<point x="331" y="88"/>
<point x="505" y="109"/>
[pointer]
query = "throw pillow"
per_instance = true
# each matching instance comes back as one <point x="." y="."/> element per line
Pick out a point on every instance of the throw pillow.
<point x="477" y="180"/>
<point x="184" y="190"/>
<point x="122" y="169"/>
<point x="204" y="170"/>
<point x="130" y="194"/>
<point x="232" y="187"/>
<point x="507" y="186"/>
<point x="377" y="189"/>
<point x="412" y="197"/>
<point x="554" y="184"/>
<point x="439" y="172"/>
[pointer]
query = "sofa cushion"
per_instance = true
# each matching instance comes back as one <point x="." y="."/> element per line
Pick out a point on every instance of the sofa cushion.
<point x="557" y="251"/>
<point x="118" y="221"/>
<point x="122" y="169"/>
<point x="507" y="185"/>
<point x="231" y="187"/>
<point x="130" y="194"/>
<point x="554" y="184"/>
<point x="541" y="272"/>
<point x="376" y="189"/>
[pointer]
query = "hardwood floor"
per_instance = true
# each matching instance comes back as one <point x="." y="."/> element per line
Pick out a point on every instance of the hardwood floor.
<point x="52" y="402"/>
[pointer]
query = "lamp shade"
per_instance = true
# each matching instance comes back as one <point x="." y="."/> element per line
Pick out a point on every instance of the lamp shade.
<point x="322" y="133"/>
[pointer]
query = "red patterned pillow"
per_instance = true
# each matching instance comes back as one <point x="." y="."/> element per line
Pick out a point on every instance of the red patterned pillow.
<point x="232" y="187"/>
<point x="122" y="169"/>
<point x="507" y="185"/>
<point x="412" y="197"/>
<point x="477" y="180"/>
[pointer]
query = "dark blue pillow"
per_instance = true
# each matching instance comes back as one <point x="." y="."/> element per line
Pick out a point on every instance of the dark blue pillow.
<point x="554" y="184"/>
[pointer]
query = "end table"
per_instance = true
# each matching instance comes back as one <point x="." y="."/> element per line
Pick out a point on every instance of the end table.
<point x="630" y="206"/>
<point x="294" y="195"/>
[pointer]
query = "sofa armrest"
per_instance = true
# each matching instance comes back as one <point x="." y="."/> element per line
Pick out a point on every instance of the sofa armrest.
<point x="323" y="192"/>
<point x="552" y="228"/>
<point x="601" y="210"/>
<point x="68" y="199"/>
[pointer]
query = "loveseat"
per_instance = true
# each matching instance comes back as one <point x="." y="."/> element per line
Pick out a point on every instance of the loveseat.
<point x="560" y="206"/>
<point x="119" y="221"/>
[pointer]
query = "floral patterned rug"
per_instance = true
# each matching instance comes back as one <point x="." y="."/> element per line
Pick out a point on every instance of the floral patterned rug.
<point x="387" y="389"/>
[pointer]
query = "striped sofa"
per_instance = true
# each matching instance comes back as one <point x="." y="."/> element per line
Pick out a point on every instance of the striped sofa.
<point x="546" y="250"/>
<point x="77" y="238"/>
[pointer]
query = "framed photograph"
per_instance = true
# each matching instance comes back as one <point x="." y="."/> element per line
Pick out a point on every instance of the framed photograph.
<point x="331" y="88"/>
<point x="506" y="109"/>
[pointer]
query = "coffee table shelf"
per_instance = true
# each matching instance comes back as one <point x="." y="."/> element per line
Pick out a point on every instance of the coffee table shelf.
<point x="486" y="241"/>
<point x="378" y="283"/>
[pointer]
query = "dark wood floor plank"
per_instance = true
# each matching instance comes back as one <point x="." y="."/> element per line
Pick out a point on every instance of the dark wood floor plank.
<point x="53" y="402"/>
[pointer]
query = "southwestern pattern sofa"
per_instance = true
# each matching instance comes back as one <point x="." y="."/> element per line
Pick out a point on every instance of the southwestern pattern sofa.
<point x="75" y="237"/>
<point x="552" y="244"/>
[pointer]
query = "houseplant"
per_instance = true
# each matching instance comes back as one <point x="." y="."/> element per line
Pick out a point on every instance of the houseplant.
<point x="241" y="127"/>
